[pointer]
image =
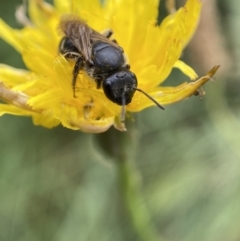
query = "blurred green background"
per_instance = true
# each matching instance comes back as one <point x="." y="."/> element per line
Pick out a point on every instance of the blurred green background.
<point x="60" y="185"/>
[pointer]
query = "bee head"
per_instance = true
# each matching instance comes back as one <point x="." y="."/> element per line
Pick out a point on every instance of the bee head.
<point x="120" y="86"/>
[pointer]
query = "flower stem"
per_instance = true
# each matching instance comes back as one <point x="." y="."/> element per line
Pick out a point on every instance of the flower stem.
<point x="121" y="147"/>
<point x="139" y="216"/>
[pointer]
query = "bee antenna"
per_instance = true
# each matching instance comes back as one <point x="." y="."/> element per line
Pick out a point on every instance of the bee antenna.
<point x="151" y="98"/>
<point x="123" y="112"/>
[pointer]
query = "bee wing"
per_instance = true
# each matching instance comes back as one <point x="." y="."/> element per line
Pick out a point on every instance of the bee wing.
<point x="96" y="36"/>
<point x="83" y="36"/>
<point x="79" y="33"/>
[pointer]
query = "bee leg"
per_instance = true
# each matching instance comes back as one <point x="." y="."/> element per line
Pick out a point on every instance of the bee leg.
<point x="200" y="92"/>
<point x="115" y="41"/>
<point x="127" y="66"/>
<point x="107" y="33"/>
<point x="71" y="55"/>
<point x="77" y="67"/>
<point x="99" y="83"/>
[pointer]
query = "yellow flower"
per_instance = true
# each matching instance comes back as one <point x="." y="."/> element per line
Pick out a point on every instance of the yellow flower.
<point x="44" y="91"/>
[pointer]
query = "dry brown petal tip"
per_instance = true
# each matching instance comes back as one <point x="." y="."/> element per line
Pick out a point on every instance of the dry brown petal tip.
<point x="14" y="97"/>
<point x="213" y="71"/>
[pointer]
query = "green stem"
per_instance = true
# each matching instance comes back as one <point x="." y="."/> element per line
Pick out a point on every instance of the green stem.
<point x="121" y="147"/>
<point x="129" y="180"/>
<point x="138" y="213"/>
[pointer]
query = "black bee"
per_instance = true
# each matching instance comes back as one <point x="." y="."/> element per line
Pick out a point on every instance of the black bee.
<point x="103" y="60"/>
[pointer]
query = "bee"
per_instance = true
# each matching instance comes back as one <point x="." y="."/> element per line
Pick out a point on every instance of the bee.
<point x="102" y="59"/>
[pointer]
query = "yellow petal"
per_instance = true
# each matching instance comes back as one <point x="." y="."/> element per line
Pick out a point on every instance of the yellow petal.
<point x="12" y="76"/>
<point x="78" y="119"/>
<point x="63" y="7"/>
<point x="28" y="36"/>
<point x="129" y="20"/>
<point x="45" y="119"/>
<point x="38" y="118"/>
<point x="11" y="36"/>
<point x="40" y="12"/>
<point x="169" y="95"/>
<point x="187" y="70"/>
<point x="13" y="110"/>
<point x="91" y="126"/>
<point x="193" y="10"/>
<point x="174" y="32"/>
<point x="39" y="61"/>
